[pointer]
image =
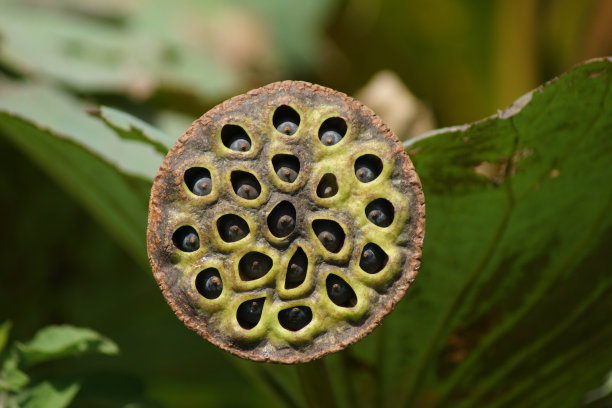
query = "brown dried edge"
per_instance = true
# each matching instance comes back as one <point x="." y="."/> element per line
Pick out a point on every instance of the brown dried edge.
<point x="408" y="273"/>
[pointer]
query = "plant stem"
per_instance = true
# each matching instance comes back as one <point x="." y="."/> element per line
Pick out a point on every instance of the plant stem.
<point x="316" y="384"/>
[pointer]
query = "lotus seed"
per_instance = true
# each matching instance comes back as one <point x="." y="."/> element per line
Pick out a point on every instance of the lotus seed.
<point x="281" y="220"/>
<point x="287" y="167"/>
<point x="254" y="265"/>
<point x="186" y="239"/>
<point x="330" y="234"/>
<point x="245" y="185"/>
<point x="328" y="186"/>
<point x="234" y="137"/>
<point x="287" y="128"/>
<point x="373" y="258"/>
<point x="232" y="228"/>
<point x="209" y="284"/>
<point x="340" y="292"/>
<point x="198" y="181"/>
<point x="240" y="144"/>
<point x="330" y="137"/>
<point x="295" y="318"/>
<point x="249" y="313"/>
<point x="380" y="212"/>
<point x="367" y="168"/>
<point x="296" y="271"/>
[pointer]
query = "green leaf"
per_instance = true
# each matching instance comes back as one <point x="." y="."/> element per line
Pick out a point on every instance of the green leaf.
<point x="5" y="330"/>
<point x="11" y="378"/>
<point x="80" y="153"/>
<point x="50" y="395"/>
<point x="53" y="342"/>
<point x="514" y="296"/>
<point x="129" y="127"/>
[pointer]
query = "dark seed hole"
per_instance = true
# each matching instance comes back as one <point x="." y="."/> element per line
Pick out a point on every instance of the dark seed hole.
<point x="254" y="265"/>
<point x="296" y="270"/>
<point x="245" y="185"/>
<point x="286" y="120"/>
<point x="340" y="292"/>
<point x="380" y="212"/>
<point x="232" y="228"/>
<point x="198" y="181"/>
<point x="186" y="239"/>
<point x="373" y="258"/>
<point x="234" y="137"/>
<point x="249" y="313"/>
<point x="332" y="130"/>
<point x="282" y="219"/>
<point x="286" y="167"/>
<point x="328" y="186"/>
<point x="295" y="318"/>
<point x="368" y="167"/>
<point x="209" y="284"/>
<point x="330" y="233"/>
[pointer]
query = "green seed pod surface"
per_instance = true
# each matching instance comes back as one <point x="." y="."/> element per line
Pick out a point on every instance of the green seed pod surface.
<point x="305" y="231"/>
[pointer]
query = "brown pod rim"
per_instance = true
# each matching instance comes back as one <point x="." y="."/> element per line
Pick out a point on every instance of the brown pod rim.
<point x="204" y="146"/>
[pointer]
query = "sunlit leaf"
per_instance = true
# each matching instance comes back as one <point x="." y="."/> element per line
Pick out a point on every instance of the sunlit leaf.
<point x="50" y="395"/>
<point x="53" y="342"/>
<point x="129" y="127"/>
<point x="11" y="377"/>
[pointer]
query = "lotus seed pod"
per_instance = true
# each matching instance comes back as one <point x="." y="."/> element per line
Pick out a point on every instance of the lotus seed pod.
<point x="286" y="223"/>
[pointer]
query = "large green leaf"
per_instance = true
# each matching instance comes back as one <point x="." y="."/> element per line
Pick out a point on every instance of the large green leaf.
<point x="84" y="156"/>
<point x="512" y="305"/>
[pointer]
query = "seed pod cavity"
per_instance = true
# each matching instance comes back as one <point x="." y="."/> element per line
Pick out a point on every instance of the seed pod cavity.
<point x="198" y="180"/>
<point x="186" y="239"/>
<point x="235" y="138"/>
<point x="209" y="284"/>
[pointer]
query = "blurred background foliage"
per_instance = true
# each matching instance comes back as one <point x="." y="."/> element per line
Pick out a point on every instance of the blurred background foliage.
<point x="167" y="63"/>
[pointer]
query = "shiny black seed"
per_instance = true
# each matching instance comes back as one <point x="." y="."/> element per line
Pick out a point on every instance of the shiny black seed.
<point x="340" y="292"/>
<point x="332" y="130"/>
<point x="208" y="283"/>
<point x="249" y="313"/>
<point x="286" y="120"/>
<point x="198" y="181"/>
<point x="296" y="270"/>
<point x="234" y="137"/>
<point x="245" y="185"/>
<point x="186" y="239"/>
<point x="380" y="212"/>
<point x="295" y="318"/>
<point x="286" y="167"/>
<point x="232" y="228"/>
<point x="328" y="186"/>
<point x="373" y="258"/>
<point x="254" y="265"/>
<point x="330" y="233"/>
<point x="282" y="219"/>
<point x="367" y="168"/>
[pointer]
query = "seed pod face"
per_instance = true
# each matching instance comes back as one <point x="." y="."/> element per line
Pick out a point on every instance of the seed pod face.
<point x="286" y="223"/>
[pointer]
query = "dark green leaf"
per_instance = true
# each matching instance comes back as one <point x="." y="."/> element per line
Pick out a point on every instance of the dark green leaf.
<point x="512" y="305"/>
<point x="53" y="342"/>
